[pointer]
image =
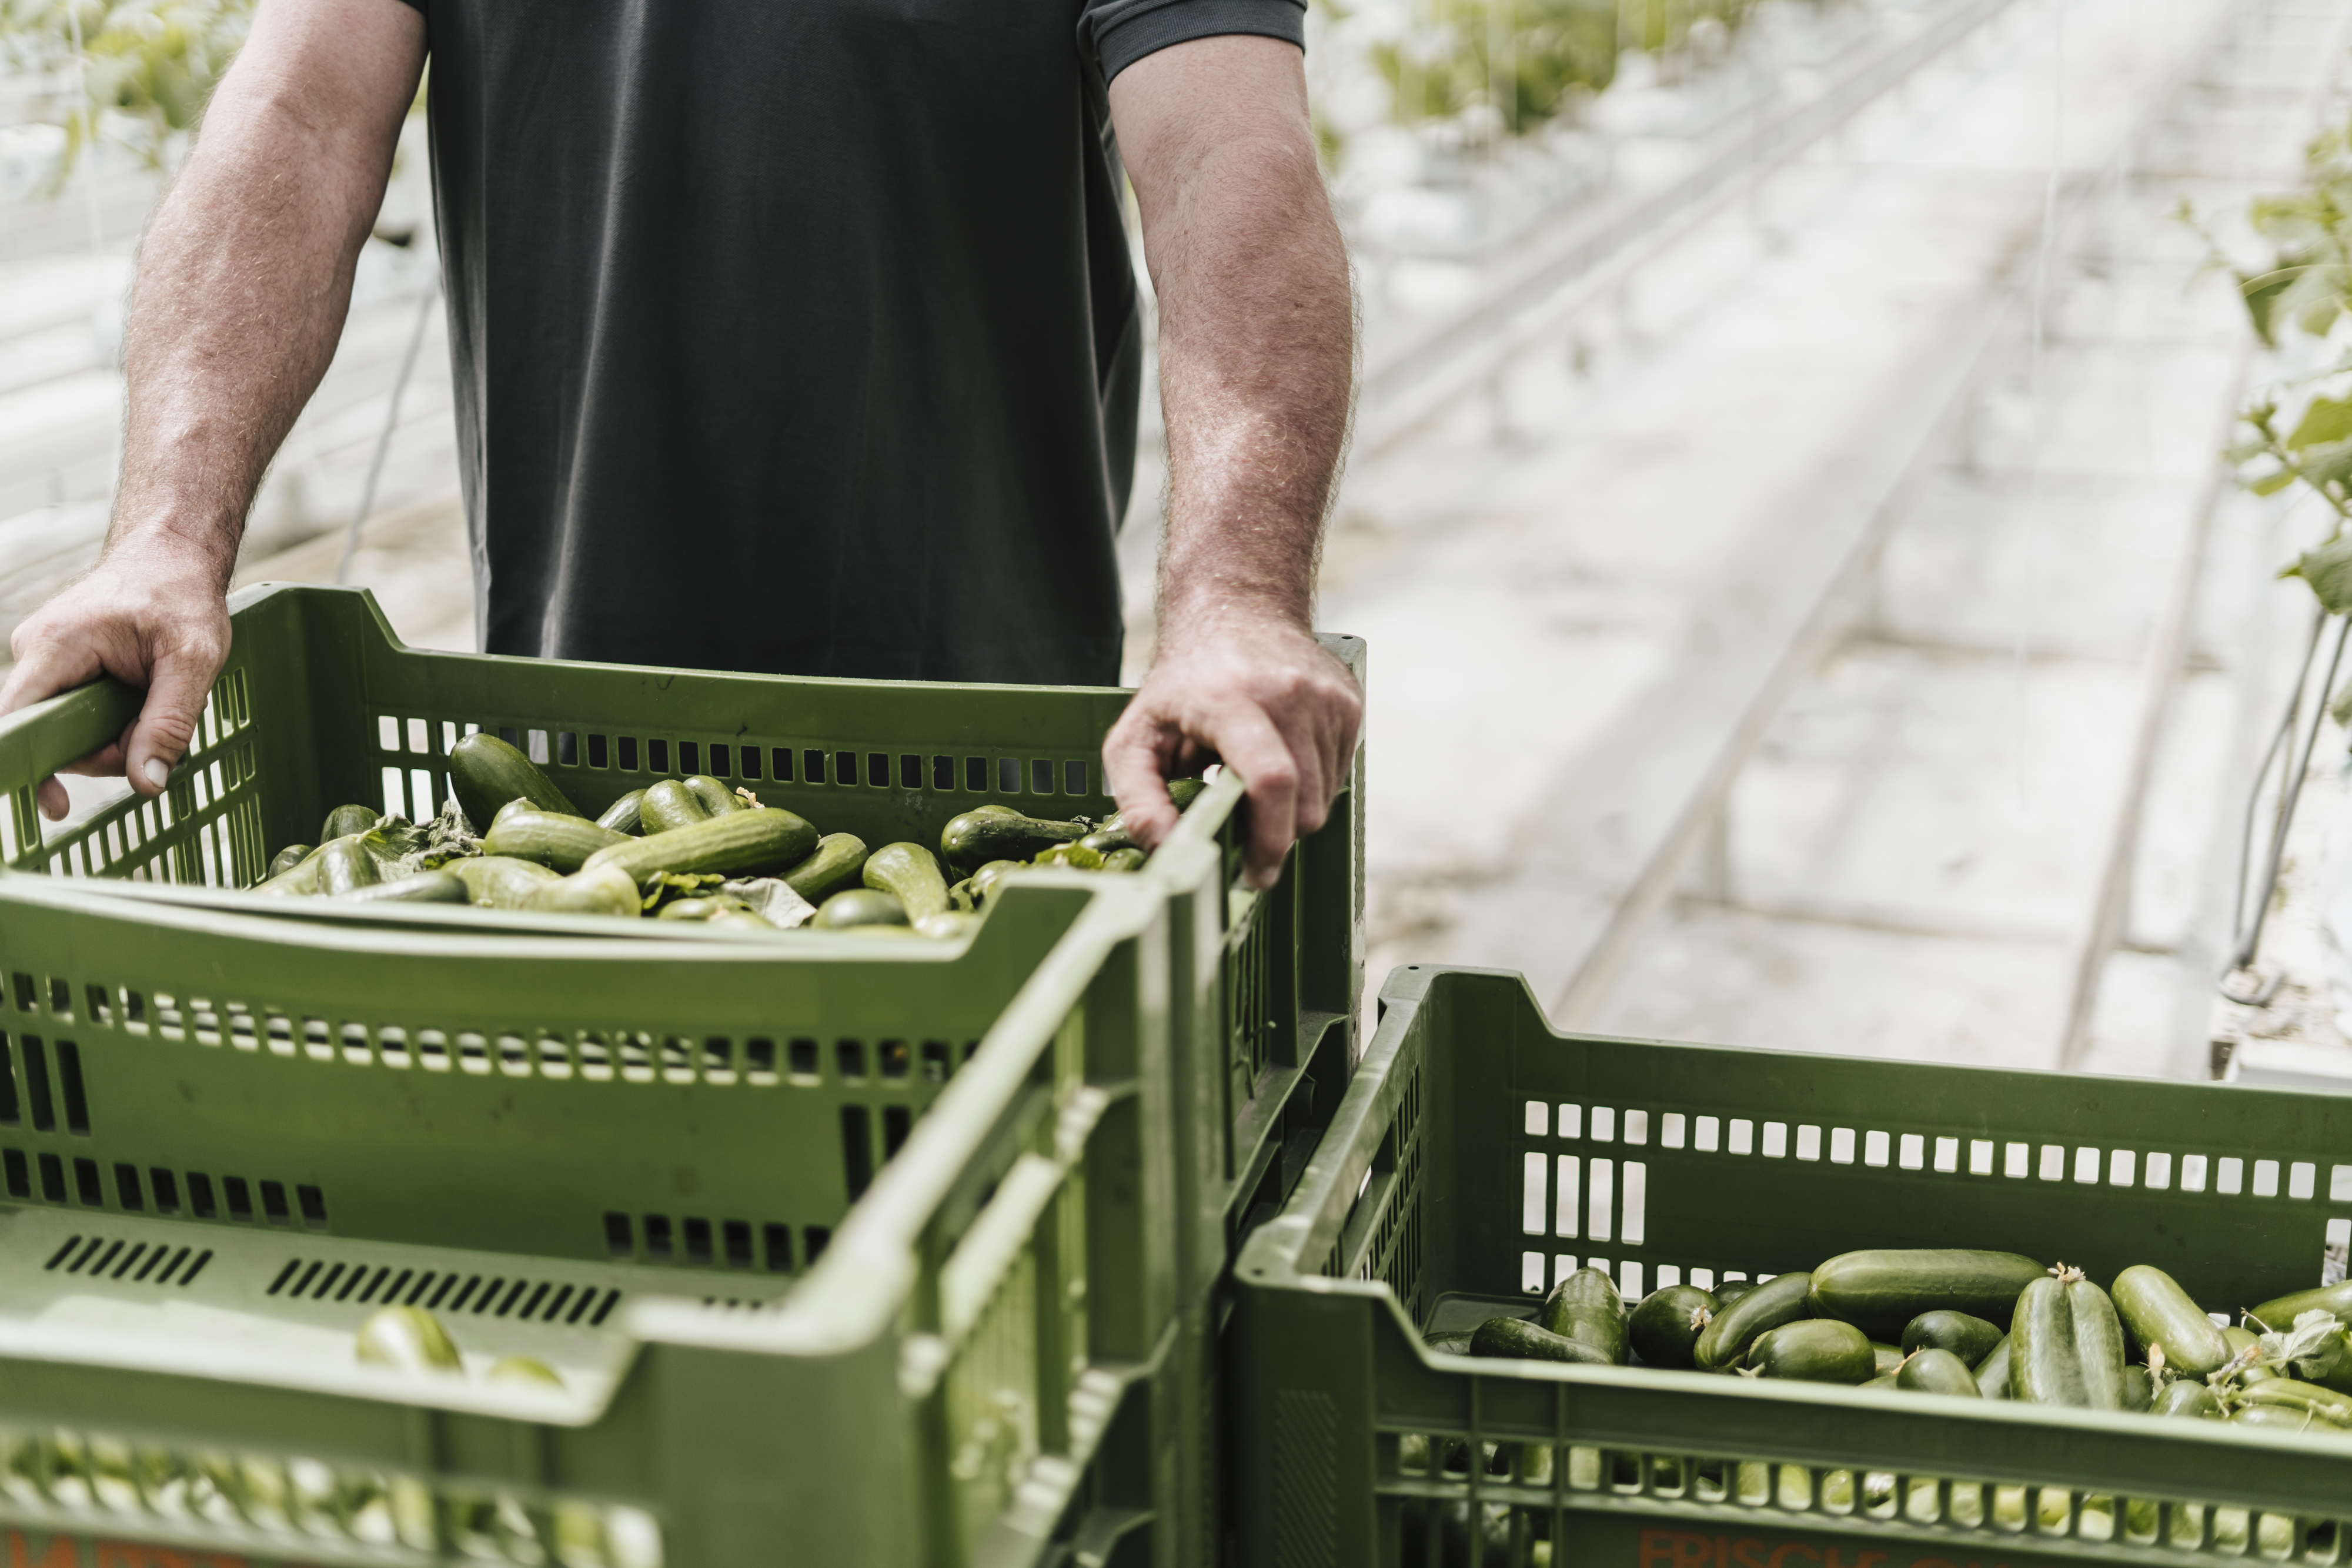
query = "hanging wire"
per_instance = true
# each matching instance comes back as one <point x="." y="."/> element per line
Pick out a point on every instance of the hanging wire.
<point x="2246" y="925"/>
<point x="425" y="300"/>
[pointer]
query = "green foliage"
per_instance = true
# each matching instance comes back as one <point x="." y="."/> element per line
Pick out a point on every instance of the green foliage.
<point x="1535" y="55"/>
<point x="150" y="64"/>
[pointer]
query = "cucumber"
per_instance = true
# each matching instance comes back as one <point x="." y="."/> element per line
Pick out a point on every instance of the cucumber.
<point x="2139" y="1389"/>
<point x="1516" y="1338"/>
<point x="1937" y="1371"/>
<point x="741" y="920"/>
<point x="523" y="1369"/>
<point x="622" y="816"/>
<point x="2158" y="1311"/>
<point x="1077" y="857"/>
<point x="1813" y="1350"/>
<point x="2280" y="1313"/>
<point x="1730" y="1292"/>
<point x="2067" y="1345"/>
<point x="500" y="882"/>
<point x="834" y="864"/>
<point x="748" y="844"/>
<point x="1585" y="1307"/>
<point x="984" y="881"/>
<point x="1779" y="1300"/>
<point x="2187" y="1396"/>
<point x="699" y="908"/>
<point x="1123" y="859"/>
<point x="1663" y="1329"/>
<point x="859" y="906"/>
<point x="1880" y="1292"/>
<point x="1888" y="1358"/>
<point x="598" y="890"/>
<point x="425" y="887"/>
<point x="717" y="799"/>
<point x="909" y="873"/>
<point x="2331" y="1367"/>
<point x="343" y="821"/>
<point x="488" y="773"/>
<point x="408" y="1338"/>
<point x="561" y="843"/>
<point x="287" y="859"/>
<point x="2286" y="1419"/>
<point x="2245" y="1346"/>
<point x="959" y="898"/>
<point x="345" y="866"/>
<point x="947" y="925"/>
<point x="670" y="805"/>
<point x="298" y="880"/>
<point x="1887" y="1380"/>
<point x="509" y="811"/>
<point x="972" y="840"/>
<point x="2323" y="1402"/>
<point x="1106" y="840"/>
<point x="1969" y="1338"/>
<point x="997" y="809"/>
<point x="1992" y="1372"/>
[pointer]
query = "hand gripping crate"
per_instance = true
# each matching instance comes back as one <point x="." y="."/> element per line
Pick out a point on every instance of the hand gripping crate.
<point x="1477" y="1155"/>
<point x="319" y="705"/>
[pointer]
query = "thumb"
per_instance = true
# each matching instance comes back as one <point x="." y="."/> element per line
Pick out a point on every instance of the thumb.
<point x="177" y="688"/>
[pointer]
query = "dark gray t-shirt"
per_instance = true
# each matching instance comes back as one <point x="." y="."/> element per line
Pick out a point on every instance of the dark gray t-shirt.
<point x="797" y="337"/>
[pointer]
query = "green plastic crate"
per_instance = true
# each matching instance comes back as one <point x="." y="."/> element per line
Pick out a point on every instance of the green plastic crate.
<point x="1478" y="1154"/>
<point x="320" y="704"/>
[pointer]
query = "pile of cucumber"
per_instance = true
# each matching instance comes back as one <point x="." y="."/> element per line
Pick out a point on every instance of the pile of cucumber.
<point x="679" y="850"/>
<point x="1969" y="1324"/>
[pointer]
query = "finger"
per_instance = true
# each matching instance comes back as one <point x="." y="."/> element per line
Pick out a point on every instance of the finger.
<point x="55" y="801"/>
<point x="1131" y="764"/>
<point x="1252" y="747"/>
<point x="177" y="689"/>
<point x="1338" y="722"/>
<point x="106" y="762"/>
<point x="45" y="669"/>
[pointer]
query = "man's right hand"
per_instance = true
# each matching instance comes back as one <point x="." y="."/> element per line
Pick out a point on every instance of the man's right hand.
<point x="147" y="619"/>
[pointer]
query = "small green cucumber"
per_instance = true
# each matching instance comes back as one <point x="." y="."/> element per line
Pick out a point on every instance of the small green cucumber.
<point x="500" y="882"/>
<point x="859" y="906"/>
<point x="669" y="805"/>
<point x="2245" y="1346"/>
<point x="2279" y="1313"/>
<point x="599" y="890"/>
<point x="1663" y="1329"/>
<point x="2158" y="1311"/>
<point x="1585" y="1307"/>
<point x="741" y="920"/>
<point x="972" y="840"/>
<point x="622" y="816"/>
<point x="699" y="908"/>
<point x="1779" y="1300"/>
<point x="1883" y="1382"/>
<point x="1969" y="1338"/>
<point x="1516" y="1339"/>
<point x="1813" y="1350"/>
<point x="1880" y="1290"/>
<point x="1888" y="1358"/>
<point x="910" y="874"/>
<point x="947" y="925"/>
<point x="959" y="898"/>
<point x="561" y="843"/>
<point x="1934" y="1371"/>
<point x="486" y="773"/>
<point x="1731" y="1290"/>
<point x="1124" y="860"/>
<point x="2323" y="1402"/>
<point x="1992" y="1372"/>
<point x="345" y="867"/>
<point x="717" y="799"/>
<point x="757" y="842"/>
<point x="2187" y="1396"/>
<point x="984" y="881"/>
<point x="1106" y="841"/>
<point x="287" y="859"/>
<point x="425" y="887"/>
<point x="835" y="863"/>
<point x="2139" y="1389"/>
<point x="2067" y="1345"/>
<point x="300" y="879"/>
<point x="509" y="811"/>
<point x="2286" y="1419"/>
<point x="344" y="821"/>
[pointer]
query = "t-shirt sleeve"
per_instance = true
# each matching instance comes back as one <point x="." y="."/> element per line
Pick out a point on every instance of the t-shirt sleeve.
<point x="1121" y="31"/>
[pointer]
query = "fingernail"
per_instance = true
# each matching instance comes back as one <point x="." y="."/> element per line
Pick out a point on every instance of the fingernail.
<point x="158" y="771"/>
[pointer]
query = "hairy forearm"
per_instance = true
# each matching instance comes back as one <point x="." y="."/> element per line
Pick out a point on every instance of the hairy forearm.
<point x="243" y="284"/>
<point x="1256" y="339"/>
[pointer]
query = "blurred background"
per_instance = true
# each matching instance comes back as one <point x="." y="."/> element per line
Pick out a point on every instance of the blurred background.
<point x="1821" y="479"/>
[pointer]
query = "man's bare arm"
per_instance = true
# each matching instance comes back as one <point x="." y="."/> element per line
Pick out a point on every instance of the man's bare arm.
<point x="243" y="283"/>
<point x="1257" y="352"/>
